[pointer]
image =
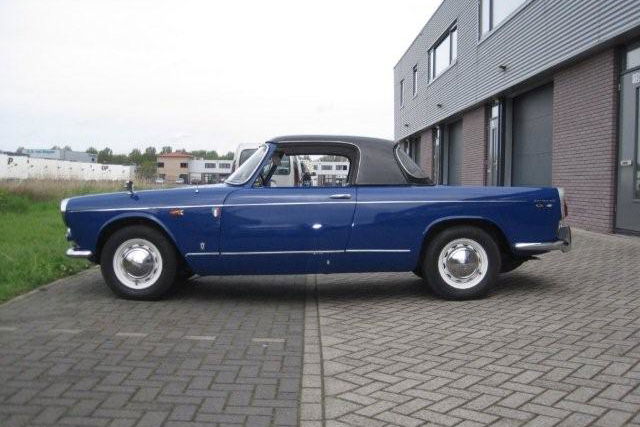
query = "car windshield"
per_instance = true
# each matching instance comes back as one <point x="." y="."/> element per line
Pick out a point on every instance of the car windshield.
<point x="244" y="172"/>
<point x="245" y="154"/>
<point x="412" y="170"/>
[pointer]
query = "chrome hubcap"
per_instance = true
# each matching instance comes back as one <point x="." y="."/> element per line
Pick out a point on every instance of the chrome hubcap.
<point x="137" y="263"/>
<point x="463" y="263"/>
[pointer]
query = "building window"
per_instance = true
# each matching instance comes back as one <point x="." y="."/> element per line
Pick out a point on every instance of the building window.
<point x="209" y="165"/>
<point x="184" y="165"/>
<point x="160" y="164"/>
<point x="632" y="58"/>
<point x="443" y="53"/>
<point x="415" y="80"/>
<point x="493" y="12"/>
<point x="224" y="165"/>
<point x="402" y="93"/>
<point x="161" y="175"/>
<point x="326" y="167"/>
<point x="494" y="155"/>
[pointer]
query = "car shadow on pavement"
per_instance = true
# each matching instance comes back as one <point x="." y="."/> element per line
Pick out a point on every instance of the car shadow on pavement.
<point x="245" y="288"/>
<point x="339" y="286"/>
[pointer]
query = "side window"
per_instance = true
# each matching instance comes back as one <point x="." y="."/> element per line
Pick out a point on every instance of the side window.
<point x="316" y="170"/>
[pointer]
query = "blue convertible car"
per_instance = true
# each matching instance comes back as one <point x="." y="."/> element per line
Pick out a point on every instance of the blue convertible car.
<point x="351" y="204"/>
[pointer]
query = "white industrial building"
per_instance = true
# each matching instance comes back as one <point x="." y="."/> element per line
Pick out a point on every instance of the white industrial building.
<point x="209" y="171"/>
<point x="23" y="167"/>
<point x="329" y="173"/>
<point x="61" y="154"/>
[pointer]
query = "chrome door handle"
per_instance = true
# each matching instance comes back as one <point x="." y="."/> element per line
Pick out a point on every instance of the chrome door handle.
<point x="340" y="196"/>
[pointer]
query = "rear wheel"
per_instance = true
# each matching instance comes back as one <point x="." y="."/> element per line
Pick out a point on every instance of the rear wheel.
<point x="461" y="262"/>
<point x="138" y="262"/>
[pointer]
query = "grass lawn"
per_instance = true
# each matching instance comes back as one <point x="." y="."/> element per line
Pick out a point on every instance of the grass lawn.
<point x="32" y="242"/>
<point x="32" y="246"/>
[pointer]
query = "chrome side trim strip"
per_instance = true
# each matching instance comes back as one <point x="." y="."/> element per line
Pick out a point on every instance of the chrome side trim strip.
<point x="285" y="204"/>
<point x="379" y="250"/>
<point x="299" y="252"/>
<point x="146" y="208"/>
<point x="202" y="254"/>
<point x="73" y="253"/>
<point x="281" y="252"/>
<point x="371" y="202"/>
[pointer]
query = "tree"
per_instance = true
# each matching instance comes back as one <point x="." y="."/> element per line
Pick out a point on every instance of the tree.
<point x="105" y="155"/>
<point x="228" y="156"/>
<point x="67" y="148"/>
<point x="55" y="147"/>
<point x="92" y="150"/>
<point x="119" y="159"/>
<point x="166" y="149"/>
<point x="150" y="154"/>
<point x="20" y="150"/>
<point x="146" y="169"/>
<point x="135" y="156"/>
<point x="207" y="155"/>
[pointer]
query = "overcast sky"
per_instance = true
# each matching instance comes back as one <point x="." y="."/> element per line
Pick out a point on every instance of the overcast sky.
<point x="198" y="74"/>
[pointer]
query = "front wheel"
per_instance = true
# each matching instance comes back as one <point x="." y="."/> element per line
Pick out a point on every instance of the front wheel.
<point x="461" y="262"/>
<point x="138" y="262"/>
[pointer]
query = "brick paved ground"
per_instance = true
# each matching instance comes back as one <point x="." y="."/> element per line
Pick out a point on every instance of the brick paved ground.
<point x="557" y="343"/>
<point x="225" y="351"/>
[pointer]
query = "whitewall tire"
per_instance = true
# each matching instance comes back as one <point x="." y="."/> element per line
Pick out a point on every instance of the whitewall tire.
<point x="461" y="262"/>
<point x="139" y="262"/>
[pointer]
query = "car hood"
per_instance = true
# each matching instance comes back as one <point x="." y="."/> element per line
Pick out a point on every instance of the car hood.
<point x="145" y="199"/>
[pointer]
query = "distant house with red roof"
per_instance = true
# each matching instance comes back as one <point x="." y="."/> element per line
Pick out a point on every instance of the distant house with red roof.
<point x="174" y="166"/>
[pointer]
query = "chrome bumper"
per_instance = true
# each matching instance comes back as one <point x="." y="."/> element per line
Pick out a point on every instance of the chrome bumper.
<point x="74" y="253"/>
<point x="563" y="243"/>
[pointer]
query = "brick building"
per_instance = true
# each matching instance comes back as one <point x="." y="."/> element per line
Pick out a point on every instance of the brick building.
<point x="529" y="93"/>
<point x="174" y="166"/>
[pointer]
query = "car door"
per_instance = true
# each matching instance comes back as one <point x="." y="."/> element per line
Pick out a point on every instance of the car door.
<point x="288" y="230"/>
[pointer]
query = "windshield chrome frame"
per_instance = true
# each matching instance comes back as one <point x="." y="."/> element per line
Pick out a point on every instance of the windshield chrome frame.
<point x="258" y="167"/>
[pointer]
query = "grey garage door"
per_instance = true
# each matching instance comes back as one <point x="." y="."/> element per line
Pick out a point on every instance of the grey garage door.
<point x="532" y="138"/>
<point x="454" y="157"/>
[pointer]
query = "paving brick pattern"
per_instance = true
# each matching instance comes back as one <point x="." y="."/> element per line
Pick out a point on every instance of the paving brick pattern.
<point x="556" y="344"/>
<point x="220" y="351"/>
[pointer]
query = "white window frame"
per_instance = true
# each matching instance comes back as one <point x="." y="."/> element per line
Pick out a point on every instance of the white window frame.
<point x="401" y="93"/>
<point x="453" y="52"/>
<point x="414" y="78"/>
<point x="494" y="26"/>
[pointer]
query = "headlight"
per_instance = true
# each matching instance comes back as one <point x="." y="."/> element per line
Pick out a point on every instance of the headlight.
<point x="564" y="209"/>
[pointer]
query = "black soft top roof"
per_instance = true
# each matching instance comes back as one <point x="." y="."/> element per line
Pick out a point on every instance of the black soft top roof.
<point x="377" y="161"/>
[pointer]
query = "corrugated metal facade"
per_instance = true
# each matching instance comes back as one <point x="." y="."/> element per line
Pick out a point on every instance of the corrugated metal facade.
<point x="541" y="35"/>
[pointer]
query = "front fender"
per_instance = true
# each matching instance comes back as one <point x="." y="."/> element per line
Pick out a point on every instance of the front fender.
<point x="123" y="217"/>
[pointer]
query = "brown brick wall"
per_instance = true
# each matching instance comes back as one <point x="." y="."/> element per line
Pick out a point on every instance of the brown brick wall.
<point x="585" y="102"/>
<point x="426" y="152"/>
<point x="474" y="135"/>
